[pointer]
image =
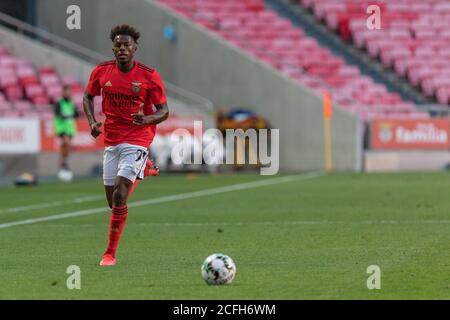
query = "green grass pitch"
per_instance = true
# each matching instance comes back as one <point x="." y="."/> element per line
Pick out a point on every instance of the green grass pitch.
<point x="299" y="239"/>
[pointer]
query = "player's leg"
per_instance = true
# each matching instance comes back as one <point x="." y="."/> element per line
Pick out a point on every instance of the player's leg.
<point x="69" y="133"/>
<point x="109" y="190"/>
<point x="131" y="161"/>
<point x="119" y="214"/>
<point x="136" y="182"/>
<point x="61" y="152"/>
<point x="121" y="190"/>
<point x="110" y="170"/>
<point x="149" y="170"/>
<point x="65" y="150"/>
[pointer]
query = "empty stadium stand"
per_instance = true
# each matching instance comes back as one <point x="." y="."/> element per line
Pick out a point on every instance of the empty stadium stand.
<point x="414" y="39"/>
<point x="28" y="91"/>
<point x="261" y="32"/>
<point x="34" y="67"/>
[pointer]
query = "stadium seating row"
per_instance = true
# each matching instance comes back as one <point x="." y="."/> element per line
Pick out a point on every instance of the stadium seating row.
<point x="267" y="36"/>
<point x="414" y="39"/>
<point x="29" y="91"/>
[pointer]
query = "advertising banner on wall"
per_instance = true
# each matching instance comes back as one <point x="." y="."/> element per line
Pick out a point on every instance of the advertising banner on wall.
<point x="18" y="136"/>
<point x="175" y="122"/>
<point x="428" y="134"/>
<point x="22" y="135"/>
<point x="84" y="142"/>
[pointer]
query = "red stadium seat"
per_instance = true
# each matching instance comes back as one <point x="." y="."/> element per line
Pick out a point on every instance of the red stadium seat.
<point x="49" y="79"/>
<point x="254" y="5"/>
<point x="70" y="80"/>
<point x="7" y="62"/>
<point x="47" y="70"/>
<point x="13" y="92"/>
<point x="25" y="71"/>
<point x="443" y="95"/>
<point x="28" y="80"/>
<point x="33" y="90"/>
<point x="54" y="92"/>
<point x="23" y="63"/>
<point x="77" y="98"/>
<point x="8" y="78"/>
<point x="40" y="99"/>
<point x="76" y="88"/>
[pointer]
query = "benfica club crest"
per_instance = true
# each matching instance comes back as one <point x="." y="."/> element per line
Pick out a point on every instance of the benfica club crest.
<point x="136" y="86"/>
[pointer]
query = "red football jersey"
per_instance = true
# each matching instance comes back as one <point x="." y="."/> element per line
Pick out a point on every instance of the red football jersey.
<point x="122" y="95"/>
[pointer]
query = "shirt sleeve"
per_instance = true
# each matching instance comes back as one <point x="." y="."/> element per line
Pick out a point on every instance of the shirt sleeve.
<point x="76" y="114"/>
<point x="93" y="87"/>
<point x="157" y="92"/>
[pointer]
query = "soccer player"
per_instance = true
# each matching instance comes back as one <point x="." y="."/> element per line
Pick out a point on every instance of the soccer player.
<point x="65" y="113"/>
<point x="129" y="90"/>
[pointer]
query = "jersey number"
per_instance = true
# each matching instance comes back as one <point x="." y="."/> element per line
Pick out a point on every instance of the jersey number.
<point x="140" y="155"/>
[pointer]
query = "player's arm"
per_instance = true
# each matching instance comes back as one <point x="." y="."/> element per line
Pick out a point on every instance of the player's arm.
<point x="92" y="90"/>
<point x="88" y="106"/>
<point x="76" y="114"/>
<point x="161" y="114"/>
<point x="159" y="99"/>
<point x="57" y="110"/>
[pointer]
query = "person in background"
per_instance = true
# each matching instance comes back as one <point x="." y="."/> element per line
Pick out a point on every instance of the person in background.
<point x="65" y="113"/>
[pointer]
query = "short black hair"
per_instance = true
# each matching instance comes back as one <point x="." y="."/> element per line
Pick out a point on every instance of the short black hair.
<point x="124" y="30"/>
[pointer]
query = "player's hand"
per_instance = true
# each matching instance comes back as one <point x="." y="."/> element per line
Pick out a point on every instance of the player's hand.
<point x="139" y="117"/>
<point x="95" y="129"/>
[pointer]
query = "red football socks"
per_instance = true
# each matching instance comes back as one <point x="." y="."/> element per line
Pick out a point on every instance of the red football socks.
<point x="118" y="218"/>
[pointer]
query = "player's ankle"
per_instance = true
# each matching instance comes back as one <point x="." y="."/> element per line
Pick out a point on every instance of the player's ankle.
<point x="110" y="252"/>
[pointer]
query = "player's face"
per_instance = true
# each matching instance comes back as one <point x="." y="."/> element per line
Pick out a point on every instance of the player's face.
<point x="124" y="48"/>
<point x="66" y="93"/>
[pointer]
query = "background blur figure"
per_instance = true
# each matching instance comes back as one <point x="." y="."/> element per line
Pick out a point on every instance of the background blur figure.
<point x="161" y="150"/>
<point x="215" y="159"/>
<point x="65" y="114"/>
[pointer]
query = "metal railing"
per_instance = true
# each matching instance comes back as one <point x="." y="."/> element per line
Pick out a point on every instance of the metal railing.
<point x="50" y="39"/>
<point x="435" y="110"/>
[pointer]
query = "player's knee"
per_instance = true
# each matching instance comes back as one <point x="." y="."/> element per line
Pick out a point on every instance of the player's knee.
<point x="120" y="195"/>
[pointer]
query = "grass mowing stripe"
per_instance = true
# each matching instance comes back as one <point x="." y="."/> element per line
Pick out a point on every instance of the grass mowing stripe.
<point x="182" y="196"/>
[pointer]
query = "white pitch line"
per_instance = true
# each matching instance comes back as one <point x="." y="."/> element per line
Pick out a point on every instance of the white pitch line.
<point x="51" y="204"/>
<point x="176" y="197"/>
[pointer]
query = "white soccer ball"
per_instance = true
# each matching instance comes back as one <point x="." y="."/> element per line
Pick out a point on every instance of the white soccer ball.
<point x="218" y="268"/>
<point x="65" y="175"/>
